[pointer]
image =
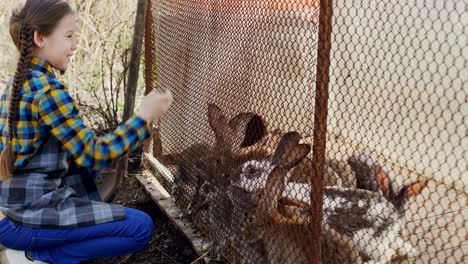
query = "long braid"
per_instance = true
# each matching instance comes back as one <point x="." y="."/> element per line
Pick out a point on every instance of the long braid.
<point x="40" y="16"/>
<point x="7" y="157"/>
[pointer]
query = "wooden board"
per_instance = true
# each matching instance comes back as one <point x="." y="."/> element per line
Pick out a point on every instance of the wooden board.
<point x="163" y="200"/>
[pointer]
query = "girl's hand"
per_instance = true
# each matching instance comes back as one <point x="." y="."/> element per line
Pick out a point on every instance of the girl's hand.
<point x="154" y="105"/>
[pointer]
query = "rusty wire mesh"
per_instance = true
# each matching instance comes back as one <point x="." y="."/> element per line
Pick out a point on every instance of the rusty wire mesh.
<point x="235" y="149"/>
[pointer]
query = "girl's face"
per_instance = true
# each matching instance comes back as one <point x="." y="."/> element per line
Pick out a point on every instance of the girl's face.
<point x="57" y="48"/>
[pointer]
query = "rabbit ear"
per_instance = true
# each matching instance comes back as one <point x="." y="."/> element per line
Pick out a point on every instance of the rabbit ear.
<point x="272" y="200"/>
<point x="238" y="129"/>
<point x="383" y="181"/>
<point x="362" y="164"/>
<point x="254" y="129"/>
<point x="295" y="155"/>
<point x="287" y="141"/>
<point x="218" y="123"/>
<point x="216" y="118"/>
<point x="274" y="188"/>
<point x="415" y="188"/>
<point x="263" y="149"/>
<point x="408" y="191"/>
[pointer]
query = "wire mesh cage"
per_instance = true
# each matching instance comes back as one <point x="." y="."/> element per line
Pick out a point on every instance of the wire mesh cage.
<point x="260" y="85"/>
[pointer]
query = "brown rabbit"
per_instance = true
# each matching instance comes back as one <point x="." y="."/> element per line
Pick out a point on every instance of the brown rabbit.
<point x="203" y="168"/>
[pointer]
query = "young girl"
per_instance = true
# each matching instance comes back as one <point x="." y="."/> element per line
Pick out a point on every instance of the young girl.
<point x="49" y="204"/>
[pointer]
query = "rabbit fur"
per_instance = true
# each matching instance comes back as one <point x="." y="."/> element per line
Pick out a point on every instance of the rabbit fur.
<point x="369" y="221"/>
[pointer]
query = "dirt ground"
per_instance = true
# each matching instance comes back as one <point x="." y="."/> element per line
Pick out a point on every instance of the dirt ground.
<point x="167" y="245"/>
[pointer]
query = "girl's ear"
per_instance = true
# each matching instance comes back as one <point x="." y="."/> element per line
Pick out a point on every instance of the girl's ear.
<point x="39" y="39"/>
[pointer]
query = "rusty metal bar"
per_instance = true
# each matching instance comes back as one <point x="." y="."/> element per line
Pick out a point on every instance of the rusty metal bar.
<point x="320" y="126"/>
<point x="149" y="43"/>
<point x="149" y="64"/>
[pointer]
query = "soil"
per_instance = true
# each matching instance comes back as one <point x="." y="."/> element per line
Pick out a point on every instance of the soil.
<point x="167" y="245"/>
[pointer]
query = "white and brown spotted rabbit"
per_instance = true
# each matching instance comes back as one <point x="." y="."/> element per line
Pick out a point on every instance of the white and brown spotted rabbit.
<point x="271" y="222"/>
<point x="366" y="222"/>
<point x="337" y="170"/>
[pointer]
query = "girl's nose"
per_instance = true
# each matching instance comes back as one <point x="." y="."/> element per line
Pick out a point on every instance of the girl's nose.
<point x="74" y="46"/>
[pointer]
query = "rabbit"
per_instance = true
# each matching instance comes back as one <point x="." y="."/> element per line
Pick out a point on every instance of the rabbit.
<point x="189" y="175"/>
<point x="203" y="169"/>
<point x="363" y="166"/>
<point x="229" y="211"/>
<point x="195" y="164"/>
<point x="367" y="222"/>
<point x="337" y="172"/>
<point x="285" y="240"/>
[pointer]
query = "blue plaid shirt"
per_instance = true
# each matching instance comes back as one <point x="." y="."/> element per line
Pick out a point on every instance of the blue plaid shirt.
<point x="47" y="190"/>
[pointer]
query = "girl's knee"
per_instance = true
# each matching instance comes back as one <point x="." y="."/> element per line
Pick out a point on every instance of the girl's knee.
<point x="147" y="228"/>
<point x="143" y="223"/>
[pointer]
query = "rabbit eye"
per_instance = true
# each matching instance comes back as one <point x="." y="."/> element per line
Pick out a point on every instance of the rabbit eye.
<point x="251" y="170"/>
<point x="249" y="218"/>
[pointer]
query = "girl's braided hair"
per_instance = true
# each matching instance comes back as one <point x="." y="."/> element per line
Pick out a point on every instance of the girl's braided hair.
<point x="41" y="16"/>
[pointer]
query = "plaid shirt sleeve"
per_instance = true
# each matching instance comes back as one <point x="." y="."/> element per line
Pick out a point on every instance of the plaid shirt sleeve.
<point x="59" y="112"/>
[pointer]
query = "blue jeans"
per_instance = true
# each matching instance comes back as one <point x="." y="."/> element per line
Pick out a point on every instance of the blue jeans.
<point x="73" y="245"/>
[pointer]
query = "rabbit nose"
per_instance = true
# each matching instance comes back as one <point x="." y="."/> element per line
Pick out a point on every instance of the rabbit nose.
<point x="244" y="191"/>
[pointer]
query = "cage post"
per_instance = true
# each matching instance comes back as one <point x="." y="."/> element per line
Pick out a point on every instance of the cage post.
<point x="149" y="42"/>
<point x="320" y="126"/>
<point x="149" y="65"/>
